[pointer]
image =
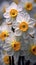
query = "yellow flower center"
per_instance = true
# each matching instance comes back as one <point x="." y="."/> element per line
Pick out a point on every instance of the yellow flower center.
<point x="6" y="59"/>
<point x="4" y="34"/>
<point x="13" y="13"/>
<point x="28" y="6"/>
<point x="16" y="45"/>
<point x="33" y="49"/>
<point x="23" y="26"/>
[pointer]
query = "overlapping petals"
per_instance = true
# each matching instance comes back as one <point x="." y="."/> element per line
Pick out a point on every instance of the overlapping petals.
<point x="13" y="6"/>
<point x="24" y="19"/>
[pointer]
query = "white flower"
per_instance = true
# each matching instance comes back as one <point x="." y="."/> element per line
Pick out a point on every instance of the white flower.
<point x="24" y="25"/>
<point x="29" y="50"/>
<point x="12" y="10"/>
<point x="5" y="27"/>
<point x="4" y="31"/>
<point x="7" y="44"/>
<point x="28" y="4"/>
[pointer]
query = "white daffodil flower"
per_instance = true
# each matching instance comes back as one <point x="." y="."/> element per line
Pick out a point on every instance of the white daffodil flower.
<point x="4" y="32"/>
<point x="12" y="11"/>
<point x="30" y="50"/>
<point x="7" y="44"/>
<point x="24" y="25"/>
<point x="28" y="4"/>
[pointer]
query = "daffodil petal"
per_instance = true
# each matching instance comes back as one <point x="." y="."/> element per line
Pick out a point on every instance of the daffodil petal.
<point x="17" y="32"/>
<point x="3" y="26"/>
<point x="25" y="35"/>
<point x="31" y="22"/>
<point x="20" y="18"/>
<point x="7" y="45"/>
<point x="7" y="20"/>
<point x="6" y="15"/>
<point x="26" y="17"/>
<point x="15" y="24"/>
<point x="12" y="6"/>
<point x="31" y="30"/>
<point x="16" y="55"/>
<point x="19" y="8"/>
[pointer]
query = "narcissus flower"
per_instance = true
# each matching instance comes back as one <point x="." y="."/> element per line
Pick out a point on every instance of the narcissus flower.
<point x="24" y="25"/>
<point x="28" y="4"/>
<point x="7" y="45"/>
<point x="12" y="11"/>
<point x="16" y="45"/>
<point x="17" y="35"/>
<point x="30" y="50"/>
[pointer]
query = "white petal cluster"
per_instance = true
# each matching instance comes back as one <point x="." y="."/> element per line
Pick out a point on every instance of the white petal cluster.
<point x="27" y="38"/>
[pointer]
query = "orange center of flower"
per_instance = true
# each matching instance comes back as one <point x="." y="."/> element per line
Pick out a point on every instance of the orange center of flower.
<point x="28" y="6"/>
<point x="3" y="35"/>
<point x="13" y="13"/>
<point x="33" y="50"/>
<point x="23" y="26"/>
<point x="16" y="45"/>
<point x="6" y="59"/>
